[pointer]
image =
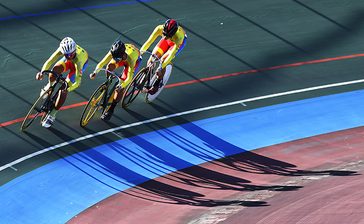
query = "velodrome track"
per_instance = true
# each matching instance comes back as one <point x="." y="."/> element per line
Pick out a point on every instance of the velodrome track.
<point x="261" y="121"/>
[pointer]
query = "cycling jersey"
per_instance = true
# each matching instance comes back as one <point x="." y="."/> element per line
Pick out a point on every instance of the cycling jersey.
<point x="130" y="64"/>
<point x="76" y="66"/>
<point x="175" y="43"/>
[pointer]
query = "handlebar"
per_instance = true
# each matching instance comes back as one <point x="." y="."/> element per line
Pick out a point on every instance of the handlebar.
<point x="58" y="76"/>
<point x="113" y="74"/>
<point x="155" y="57"/>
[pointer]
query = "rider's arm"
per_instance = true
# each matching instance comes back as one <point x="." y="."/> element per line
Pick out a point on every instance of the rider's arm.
<point x="158" y="31"/>
<point x="77" y="83"/>
<point x="103" y="62"/>
<point x="52" y="59"/>
<point x="80" y="66"/>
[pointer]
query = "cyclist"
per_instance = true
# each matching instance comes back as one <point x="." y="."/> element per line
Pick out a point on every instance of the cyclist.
<point x="120" y="55"/>
<point x="172" y="42"/>
<point x="73" y="58"/>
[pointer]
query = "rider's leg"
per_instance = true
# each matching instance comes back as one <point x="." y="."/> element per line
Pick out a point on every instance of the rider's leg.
<point x="119" y="90"/>
<point x="60" y="98"/>
<point x="51" y="79"/>
<point x="160" y="75"/>
<point x="62" y="93"/>
<point x="116" y="95"/>
<point x="159" y="50"/>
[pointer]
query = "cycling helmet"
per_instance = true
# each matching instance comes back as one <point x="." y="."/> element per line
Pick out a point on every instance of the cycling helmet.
<point x="117" y="49"/>
<point x="67" y="45"/>
<point x="170" y="28"/>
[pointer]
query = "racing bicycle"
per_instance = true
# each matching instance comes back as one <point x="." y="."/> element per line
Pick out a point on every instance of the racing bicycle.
<point x="143" y="80"/>
<point x="46" y="101"/>
<point x="101" y="99"/>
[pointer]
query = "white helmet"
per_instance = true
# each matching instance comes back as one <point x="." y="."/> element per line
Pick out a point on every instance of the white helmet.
<point x="67" y="45"/>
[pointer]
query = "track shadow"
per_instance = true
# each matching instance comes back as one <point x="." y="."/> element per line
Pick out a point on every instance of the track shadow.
<point x="326" y="39"/>
<point x="322" y="15"/>
<point x="261" y="27"/>
<point x="120" y="174"/>
<point x="200" y="36"/>
<point x="153" y="190"/>
<point x="17" y="96"/>
<point x="168" y="192"/>
<point x="75" y="5"/>
<point x="246" y="161"/>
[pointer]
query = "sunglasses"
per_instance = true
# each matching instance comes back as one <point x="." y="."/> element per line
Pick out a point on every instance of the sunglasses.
<point x="117" y="59"/>
<point x="121" y="58"/>
<point x="70" y="55"/>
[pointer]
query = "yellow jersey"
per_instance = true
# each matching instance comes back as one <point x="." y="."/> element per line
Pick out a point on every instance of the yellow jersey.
<point x="177" y="39"/>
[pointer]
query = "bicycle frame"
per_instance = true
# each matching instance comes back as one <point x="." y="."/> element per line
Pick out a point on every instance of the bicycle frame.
<point x="112" y="75"/>
<point x="51" y="99"/>
<point x="42" y="105"/>
<point x="141" y="82"/>
<point x="151" y="68"/>
<point x="100" y="99"/>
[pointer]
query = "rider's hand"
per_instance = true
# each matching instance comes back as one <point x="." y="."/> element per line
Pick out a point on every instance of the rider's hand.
<point x="141" y="53"/>
<point x="93" y="75"/>
<point x="39" y="76"/>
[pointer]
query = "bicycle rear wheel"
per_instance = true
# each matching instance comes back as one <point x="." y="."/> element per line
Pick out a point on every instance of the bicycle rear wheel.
<point x="95" y="102"/>
<point x="38" y="109"/>
<point x="134" y="88"/>
<point x="150" y="97"/>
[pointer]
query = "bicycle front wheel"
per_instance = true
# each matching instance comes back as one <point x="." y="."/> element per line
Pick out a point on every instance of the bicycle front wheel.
<point x="151" y="97"/>
<point x="134" y="88"/>
<point x="37" y="109"/>
<point x="95" y="102"/>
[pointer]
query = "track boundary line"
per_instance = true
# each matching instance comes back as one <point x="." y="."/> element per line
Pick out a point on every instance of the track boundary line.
<point x="15" y="162"/>
<point x="297" y="64"/>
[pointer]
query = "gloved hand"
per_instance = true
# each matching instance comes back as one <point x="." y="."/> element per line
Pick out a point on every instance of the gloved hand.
<point x="93" y="75"/>
<point x="39" y="76"/>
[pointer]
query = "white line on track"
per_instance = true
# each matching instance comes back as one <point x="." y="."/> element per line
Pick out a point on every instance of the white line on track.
<point x="15" y="162"/>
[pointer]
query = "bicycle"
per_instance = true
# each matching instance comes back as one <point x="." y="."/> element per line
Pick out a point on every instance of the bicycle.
<point x="143" y="80"/>
<point x="101" y="98"/>
<point x="45" y="102"/>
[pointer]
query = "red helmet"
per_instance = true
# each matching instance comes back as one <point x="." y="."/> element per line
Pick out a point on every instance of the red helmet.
<point x="170" y="27"/>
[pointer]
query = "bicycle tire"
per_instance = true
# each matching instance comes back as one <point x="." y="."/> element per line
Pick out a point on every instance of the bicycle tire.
<point x="110" y="98"/>
<point x="134" y="88"/>
<point x="149" y="97"/>
<point x="37" y="107"/>
<point x="93" y="105"/>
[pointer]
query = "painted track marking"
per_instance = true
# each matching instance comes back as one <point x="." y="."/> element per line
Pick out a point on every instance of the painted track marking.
<point x="15" y="162"/>
<point x="297" y="64"/>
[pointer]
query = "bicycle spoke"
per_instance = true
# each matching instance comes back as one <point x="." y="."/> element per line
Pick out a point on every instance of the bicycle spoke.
<point x="151" y="97"/>
<point x="134" y="88"/>
<point x="93" y="105"/>
<point x="35" y="111"/>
